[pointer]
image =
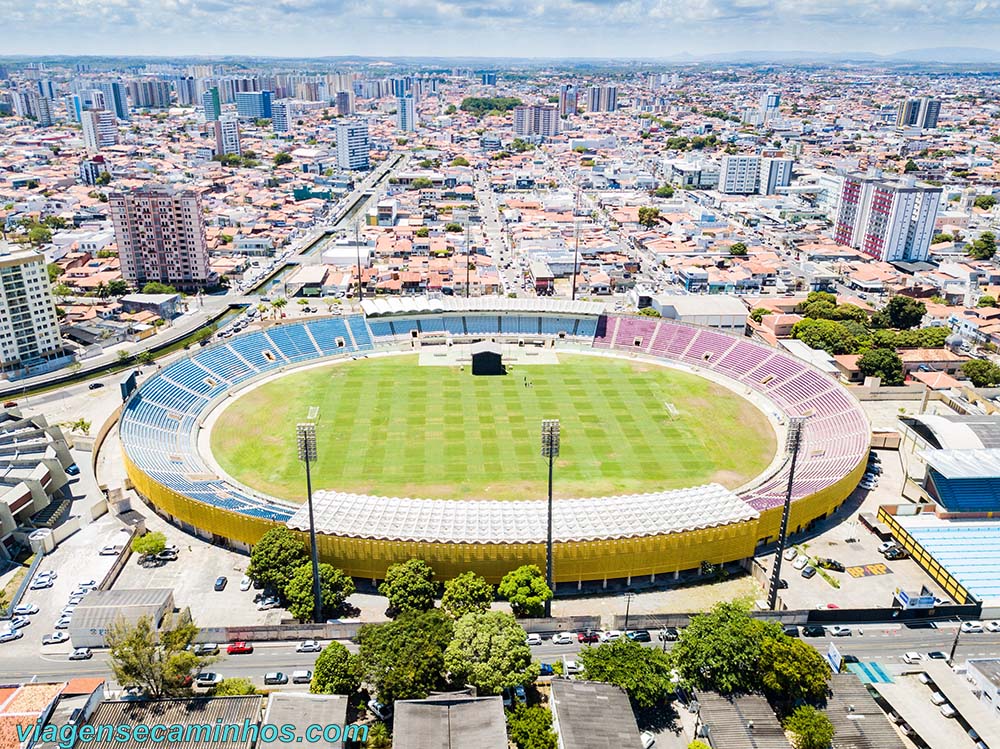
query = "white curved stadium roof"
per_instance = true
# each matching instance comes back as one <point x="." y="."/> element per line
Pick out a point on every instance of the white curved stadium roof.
<point x="490" y="521"/>
<point x="428" y="305"/>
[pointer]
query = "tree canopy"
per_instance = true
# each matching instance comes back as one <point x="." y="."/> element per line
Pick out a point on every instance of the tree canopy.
<point x="738" y="249"/>
<point x="282" y="158"/>
<point x="158" y="662"/>
<point x="466" y="594"/>
<point x="901" y="312"/>
<point x="155" y="287"/>
<point x="531" y="727"/>
<point x="985" y="247"/>
<point x="409" y="586"/>
<point x="981" y="372"/>
<point x="489" y="652"/>
<point x="664" y="191"/>
<point x="649" y="216"/>
<point x="985" y="201"/>
<point x="644" y="673"/>
<point x="404" y="658"/>
<point x="276" y="557"/>
<point x="810" y="728"/>
<point x="828" y="335"/>
<point x="481" y="105"/>
<point x="526" y="590"/>
<point x="793" y="671"/>
<point x="152" y="543"/>
<point x="233" y="687"/>
<point x="883" y="363"/>
<point x="335" y="586"/>
<point x="336" y="671"/>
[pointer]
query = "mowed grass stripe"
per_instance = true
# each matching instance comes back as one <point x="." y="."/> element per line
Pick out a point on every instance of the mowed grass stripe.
<point x="388" y="426"/>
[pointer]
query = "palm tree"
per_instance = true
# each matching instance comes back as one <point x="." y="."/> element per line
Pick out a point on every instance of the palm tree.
<point x="277" y="304"/>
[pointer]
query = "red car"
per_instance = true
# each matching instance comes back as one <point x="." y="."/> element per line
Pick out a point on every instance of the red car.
<point x="239" y="648"/>
<point x="589" y="636"/>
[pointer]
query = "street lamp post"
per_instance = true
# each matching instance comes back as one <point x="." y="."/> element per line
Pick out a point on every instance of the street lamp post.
<point x="628" y="605"/>
<point x="306" y="438"/>
<point x="954" y="643"/>
<point x="550" y="450"/>
<point x="357" y="249"/>
<point x="794" y="441"/>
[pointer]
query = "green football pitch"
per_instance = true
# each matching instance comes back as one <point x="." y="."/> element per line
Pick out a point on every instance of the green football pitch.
<point x="387" y="426"/>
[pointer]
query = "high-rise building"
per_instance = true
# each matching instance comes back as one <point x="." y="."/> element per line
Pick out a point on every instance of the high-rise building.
<point x="344" y="102"/>
<point x="212" y="105"/>
<point x="96" y="99"/>
<point x="253" y="105"/>
<point x="406" y="114"/>
<point x="99" y="129"/>
<point x="47" y="88"/>
<point x="115" y="98"/>
<point x="187" y="90"/>
<point x="489" y="78"/>
<point x="770" y="102"/>
<point x="91" y="169"/>
<point x="775" y="172"/>
<point x="74" y="107"/>
<point x="602" y="98"/>
<point x="227" y="136"/>
<point x="160" y="233"/>
<point x="29" y="327"/>
<point x="352" y="144"/>
<point x="282" y="116"/>
<point x="889" y="220"/>
<point x="922" y="113"/>
<point x="746" y="174"/>
<point x="149" y="94"/>
<point x="568" y="100"/>
<point x="536" y="119"/>
<point x="33" y="106"/>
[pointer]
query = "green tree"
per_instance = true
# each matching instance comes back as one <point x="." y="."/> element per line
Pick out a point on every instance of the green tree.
<point x="488" y="651"/>
<point x="39" y="235"/>
<point x="981" y="372"/>
<point x="459" y="161"/>
<point x="145" y="358"/>
<point x="526" y="590"/>
<point x="337" y="671"/>
<point x="985" y="247"/>
<point x="378" y="737"/>
<point x="453" y="227"/>
<point x="234" y="687"/>
<point x="987" y="301"/>
<point x="409" y="586"/>
<point x="54" y="272"/>
<point x="466" y="594"/>
<point x="793" y="671"/>
<point x="422" y="231"/>
<point x="404" y="658"/>
<point x="276" y="557"/>
<point x="158" y="662"/>
<point x="810" y="728"/>
<point x="758" y="313"/>
<point x="480" y="106"/>
<point x="664" y="191"/>
<point x="738" y="249"/>
<point x="421" y="183"/>
<point x="117" y="288"/>
<point x="883" y="363"/>
<point x="155" y="287"/>
<point x="152" y="543"/>
<point x="104" y="178"/>
<point x="282" y="158"/>
<point x="828" y="335"/>
<point x="649" y="216"/>
<point x="985" y="201"/>
<point x="910" y="166"/>
<point x="335" y="587"/>
<point x="649" y="312"/>
<point x="450" y="109"/>
<point x="644" y="673"/>
<point x="531" y="727"/>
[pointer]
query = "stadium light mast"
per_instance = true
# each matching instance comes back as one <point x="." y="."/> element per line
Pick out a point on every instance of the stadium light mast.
<point x="576" y="243"/>
<point x="306" y="438"/>
<point x="550" y="450"/>
<point x="357" y="249"/>
<point x="792" y="444"/>
<point x="468" y="255"/>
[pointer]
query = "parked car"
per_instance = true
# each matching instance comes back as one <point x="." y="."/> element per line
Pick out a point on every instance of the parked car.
<point x="302" y="677"/>
<point x="813" y="630"/>
<point x="563" y="638"/>
<point x="808" y="572"/>
<point x="55" y="638"/>
<point x="220" y="582"/>
<point x="533" y="639"/>
<point x="25" y="609"/>
<point x="87" y="585"/>
<point x="275" y="677"/>
<point x="380" y="711"/>
<point x="590" y="636"/>
<point x="572" y="667"/>
<point x="829" y="564"/>
<point x="206" y="648"/>
<point x="801" y="562"/>
<point x="308" y="646"/>
<point x="545" y="669"/>
<point x="866" y="485"/>
<point x="95" y="386"/>
<point x="668" y="634"/>
<point x="790" y="630"/>
<point x="271" y="602"/>
<point x="41" y="584"/>
<point x="912" y="657"/>
<point x="790" y="554"/>
<point x="972" y="627"/>
<point x="896" y="553"/>
<point x="993" y="626"/>
<point x="166" y="556"/>
<point x="63" y="622"/>
<point x="208" y="679"/>
<point x="19" y="622"/>
<point x="611" y="636"/>
<point x="638" y="635"/>
<point x="245" y="583"/>
<point x="885" y="546"/>
<point x="81" y="654"/>
<point x="937" y="655"/>
<point x="11" y="635"/>
<point x="239" y="648"/>
<point x="112" y="550"/>
<point x="839" y="630"/>
<point x="73" y="470"/>
<point x="647" y="739"/>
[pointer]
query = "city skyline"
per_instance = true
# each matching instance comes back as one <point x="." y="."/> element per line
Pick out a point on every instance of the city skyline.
<point x="656" y="29"/>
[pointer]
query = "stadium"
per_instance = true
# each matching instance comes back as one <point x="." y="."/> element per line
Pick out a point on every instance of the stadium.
<point x="208" y="440"/>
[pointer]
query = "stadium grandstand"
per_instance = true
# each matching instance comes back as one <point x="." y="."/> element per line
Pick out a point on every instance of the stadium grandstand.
<point x="596" y="538"/>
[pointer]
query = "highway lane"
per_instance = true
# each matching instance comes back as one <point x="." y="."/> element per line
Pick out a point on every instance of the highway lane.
<point x="883" y="643"/>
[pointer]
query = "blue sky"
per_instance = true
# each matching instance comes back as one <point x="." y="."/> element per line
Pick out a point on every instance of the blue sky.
<point x="533" y="28"/>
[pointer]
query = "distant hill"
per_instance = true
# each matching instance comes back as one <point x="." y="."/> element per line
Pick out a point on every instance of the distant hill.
<point x="949" y="54"/>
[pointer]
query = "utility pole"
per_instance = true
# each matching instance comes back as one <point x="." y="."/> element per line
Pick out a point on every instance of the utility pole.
<point x="306" y="437"/>
<point x="468" y="256"/>
<point x="792" y="444"/>
<point x="628" y="605"/>
<point x="550" y="450"/>
<point x="357" y="248"/>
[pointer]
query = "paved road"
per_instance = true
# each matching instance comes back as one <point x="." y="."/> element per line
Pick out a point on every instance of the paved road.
<point x="883" y="643"/>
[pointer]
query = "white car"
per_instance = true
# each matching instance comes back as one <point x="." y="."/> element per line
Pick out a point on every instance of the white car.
<point x="573" y="667"/>
<point x="207" y="679"/>
<point x="839" y="630"/>
<point x="112" y="550"/>
<point x="563" y="638"/>
<point x="993" y="626"/>
<point x="63" y="623"/>
<point x="41" y="584"/>
<point x="790" y="554"/>
<point x="868" y="485"/>
<point x="611" y="635"/>
<point x="648" y="739"/>
<point x="885" y="546"/>
<point x="972" y="627"/>
<point x="912" y="657"/>
<point x="302" y="677"/>
<point x="245" y="583"/>
<point x="533" y="639"/>
<point x="55" y="638"/>
<point x="87" y="584"/>
<point x="801" y="562"/>
<point x="81" y="654"/>
<point x="308" y="646"/>
<point x="10" y="635"/>
<point x="25" y="609"/>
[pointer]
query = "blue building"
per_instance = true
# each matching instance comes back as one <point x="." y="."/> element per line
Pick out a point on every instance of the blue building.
<point x="253" y="105"/>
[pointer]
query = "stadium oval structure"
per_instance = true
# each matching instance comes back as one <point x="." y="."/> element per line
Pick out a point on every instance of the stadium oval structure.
<point x="595" y="539"/>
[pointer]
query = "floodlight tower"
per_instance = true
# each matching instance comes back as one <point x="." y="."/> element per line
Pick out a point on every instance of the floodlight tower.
<point x="550" y="450"/>
<point x="306" y="438"/>
<point x="792" y="444"/>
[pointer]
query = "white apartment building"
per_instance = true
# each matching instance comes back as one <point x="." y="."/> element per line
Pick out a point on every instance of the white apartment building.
<point x="748" y="174"/>
<point x="602" y="98"/>
<point x="282" y="116"/>
<point x="352" y="144"/>
<point x="406" y="113"/>
<point x="227" y="136"/>
<point x="888" y="220"/>
<point x="100" y="129"/>
<point x="160" y="233"/>
<point x="537" y="119"/>
<point x="29" y="327"/>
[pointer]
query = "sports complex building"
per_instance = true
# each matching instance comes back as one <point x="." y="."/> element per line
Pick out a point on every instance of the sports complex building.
<point x="596" y="538"/>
